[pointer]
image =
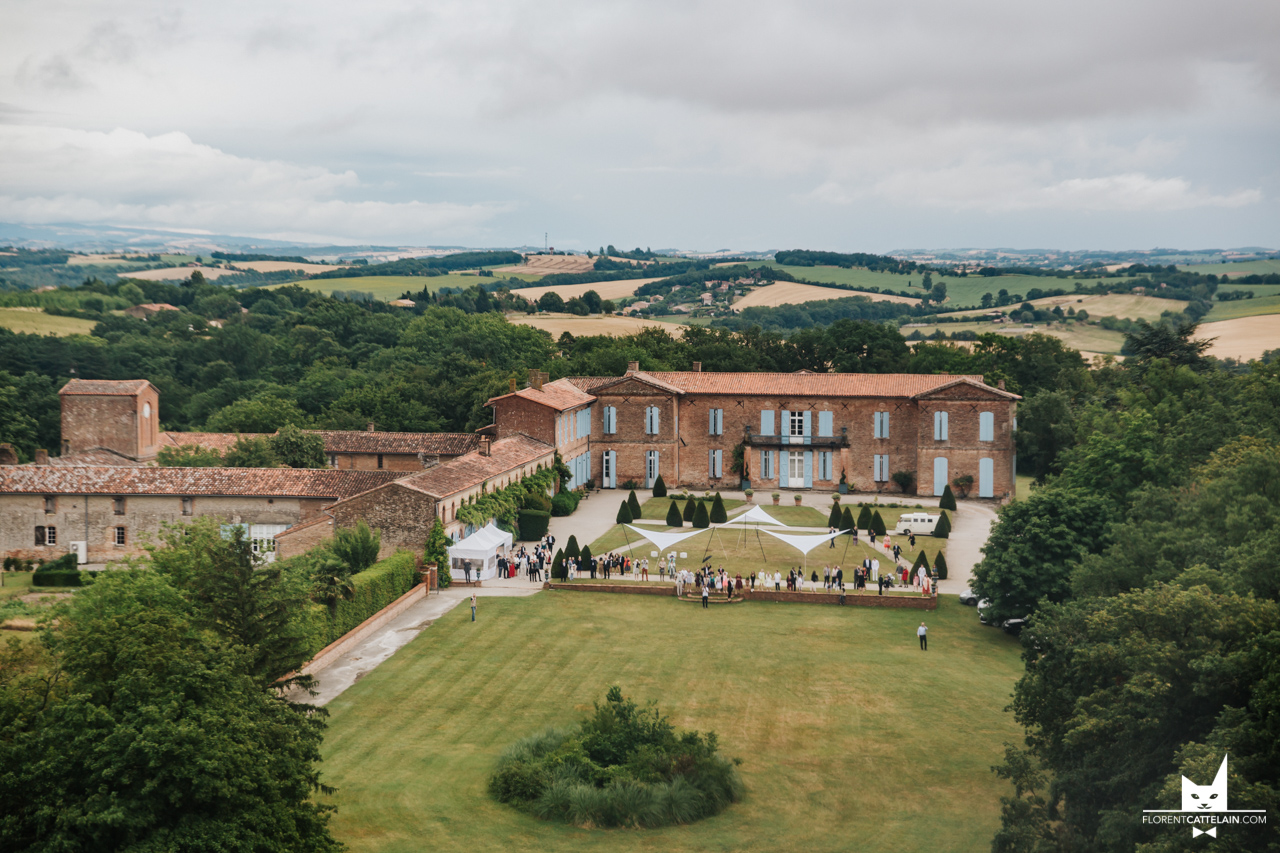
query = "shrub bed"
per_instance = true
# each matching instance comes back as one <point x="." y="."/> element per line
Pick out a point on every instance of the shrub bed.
<point x="624" y="766"/>
<point x="375" y="588"/>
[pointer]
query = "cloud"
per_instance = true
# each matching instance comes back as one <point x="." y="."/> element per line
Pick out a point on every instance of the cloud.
<point x="123" y="177"/>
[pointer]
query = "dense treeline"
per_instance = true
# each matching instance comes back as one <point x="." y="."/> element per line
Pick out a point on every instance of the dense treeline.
<point x="879" y="263"/>
<point x="427" y="266"/>
<point x="1146" y="562"/>
<point x="234" y="256"/>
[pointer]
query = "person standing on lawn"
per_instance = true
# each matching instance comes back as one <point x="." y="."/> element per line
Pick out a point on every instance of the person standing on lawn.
<point x="706" y="596"/>
<point x="473" y="607"/>
<point x="923" y="633"/>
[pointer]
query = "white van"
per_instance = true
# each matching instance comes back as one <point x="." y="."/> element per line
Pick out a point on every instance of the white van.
<point x="919" y="523"/>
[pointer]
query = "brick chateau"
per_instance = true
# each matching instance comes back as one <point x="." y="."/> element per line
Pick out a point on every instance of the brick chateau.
<point x="798" y="430"/>
<point x="105" y="498"/>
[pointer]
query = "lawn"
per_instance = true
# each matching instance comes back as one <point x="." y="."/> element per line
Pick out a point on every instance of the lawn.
<point x="16" y="585"/>
<point x="1245" y="307"/>
<point x="850" y="737"/>
<point x="36" y="322"/>
<point x="1262" y="267"/>
<point x="739" y="549"/>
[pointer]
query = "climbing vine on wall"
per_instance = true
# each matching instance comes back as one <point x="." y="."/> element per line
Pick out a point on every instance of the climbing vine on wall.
<point x="504" y="504"/>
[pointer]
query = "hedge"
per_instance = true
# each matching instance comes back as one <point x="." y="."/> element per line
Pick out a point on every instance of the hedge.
<point x="659" y="488"/>
<point x="376" y="587"/>
<point x="60" y="577"/>
<point x="564" y="503"/>
<point x="533" y="524"/>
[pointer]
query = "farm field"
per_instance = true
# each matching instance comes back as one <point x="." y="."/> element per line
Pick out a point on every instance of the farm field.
<point x="606" y="289"/>
<point x="179" y="273"/>
<point x="34" y="321"/>
<point x="558" y="324"/>
<point x="548" y="264"/>
<point x="850" y="737"/>
<point x="1090" y="340"/>
<point x="1133" y="306"/>
<point x="790" y="293"/>
<point x="962" y="292"/>
<point x="1262" y="267"/>
<point x="279" y="266"/>
<point x="386" y="287"/>
<point x="1243" y="338"/>
<point x="1245" y="307"/>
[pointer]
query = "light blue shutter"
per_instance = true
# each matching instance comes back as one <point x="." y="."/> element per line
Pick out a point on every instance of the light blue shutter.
<point x="986" y="477"/>
<point x="825" y="424"/>
<point x="808" y="424"/>
<point x="719" y="421"/>
<point x="884" y="424"/>
<point x="986" y="426"/>
<point x="656" y="420"/>
<point x="808" y="469"/>
<point x="939" y="474"/>
<point x="784" y="468"/>
<point x="876" y="425"/>
<point x="588" y="427"/>
<point x="784" y="428"/>
<point x="766" y="422"/>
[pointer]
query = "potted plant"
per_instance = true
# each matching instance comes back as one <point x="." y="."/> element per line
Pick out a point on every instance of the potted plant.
<point x="748" y="493"/>
<point x="777" y="498"/>
<point x="797" y="499"/>
<point x="844" y="484"/>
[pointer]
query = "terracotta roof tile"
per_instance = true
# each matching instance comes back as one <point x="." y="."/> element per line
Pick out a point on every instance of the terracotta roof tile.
<point x="559" y="395"/>
<point x="430" y="443"/>
<point x="121" y="387"/>
<point x="798" y="384"/>
<point x="473" y="469"/>
<point x="264" y="482"/>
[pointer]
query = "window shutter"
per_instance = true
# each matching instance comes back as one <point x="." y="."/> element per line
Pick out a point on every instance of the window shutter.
<point x="719" y="421"/>
<point x="884" y="425"/>
<point x="655" y="420"/>
<point x="808" y="427"/>
<point x="785" y="429"/>
<point x="825" y="424"/>
<point x="784" y="467"/>
<point x="766" y="422"/>
<point x="808" y="469"/>
<point x="986" y="426"/>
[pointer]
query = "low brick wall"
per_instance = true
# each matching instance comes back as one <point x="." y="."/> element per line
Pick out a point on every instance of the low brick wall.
<point x="334" y="650"/>
<point x="625" y="589"/>
<point x="904" y="602"/>
<point x="851" y="599"/>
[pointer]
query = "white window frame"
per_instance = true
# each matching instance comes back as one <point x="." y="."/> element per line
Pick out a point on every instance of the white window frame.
<point x="795" y="466"/>
<point x="51" y="535"/>
<point x="795" y="424"/>
<point x="119" y="536"/>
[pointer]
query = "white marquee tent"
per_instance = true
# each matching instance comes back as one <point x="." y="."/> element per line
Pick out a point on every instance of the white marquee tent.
<point x="805" y="544"/>
<point x="755" y="515"/>
<point x="665" y="540"/>
<point x="481" y="549"/>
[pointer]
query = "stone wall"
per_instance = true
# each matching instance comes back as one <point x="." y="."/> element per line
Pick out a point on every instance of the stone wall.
<point x="404" y="516"/>
<point x="129" y="425"/>
<point x="142" y="520"/>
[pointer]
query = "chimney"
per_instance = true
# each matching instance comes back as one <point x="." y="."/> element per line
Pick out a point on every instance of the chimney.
<point x="633" y="366"/>
<point x="1000" y="384"/>
<point x="535" y="379"/>
<point x="8" y="456"/>
<point x="485" y="447"/>
<point x="512" y="386"/>
<point x="42" y="457"/>
<point x="697" y="367"/>
<point x="369" y="427"/>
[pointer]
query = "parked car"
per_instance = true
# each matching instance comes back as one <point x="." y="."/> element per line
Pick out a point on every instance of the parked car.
<point x="1013" y="626"/>
<point x="968" y="596"/>
<point x="984" y="608"/>
<point x="919" y="523"/>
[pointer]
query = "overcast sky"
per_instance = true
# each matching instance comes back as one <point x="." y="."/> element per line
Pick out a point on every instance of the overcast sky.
<point x="845" y="125"/>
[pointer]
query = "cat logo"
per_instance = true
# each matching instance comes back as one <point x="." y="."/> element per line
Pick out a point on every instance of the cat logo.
<point x="1205" y="804"/>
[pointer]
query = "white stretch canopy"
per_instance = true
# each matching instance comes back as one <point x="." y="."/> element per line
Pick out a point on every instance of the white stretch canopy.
<point x="481" y="548"/>
<point x="805" y="544"/>
<point x="665" y="540"/>
<point x="755" y="515"/>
